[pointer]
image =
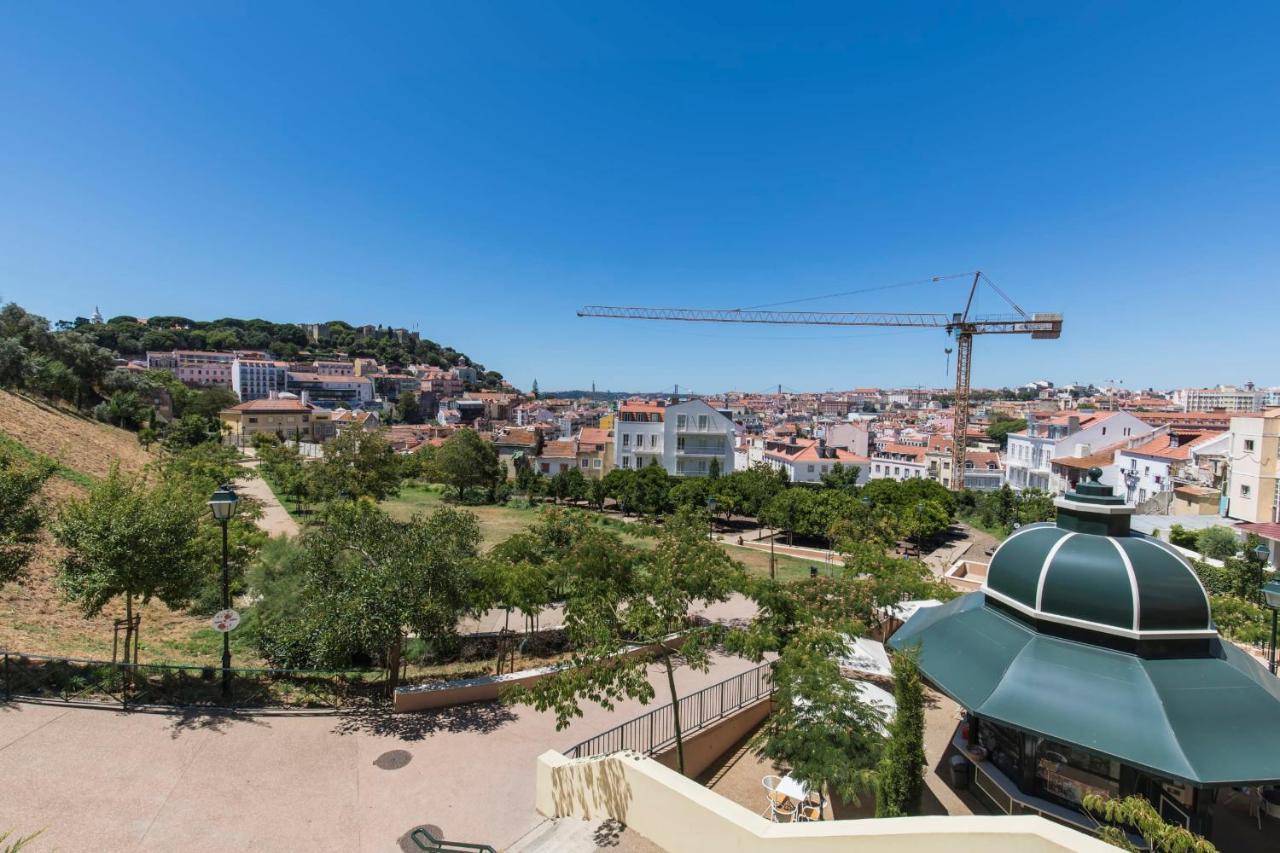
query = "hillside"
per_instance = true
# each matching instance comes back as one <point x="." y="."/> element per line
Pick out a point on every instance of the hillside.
<point x="78" y="443"/>
<point x="33" y="616"/>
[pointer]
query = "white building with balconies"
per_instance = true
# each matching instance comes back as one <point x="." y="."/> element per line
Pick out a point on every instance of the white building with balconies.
<point x="1029" y="458"/>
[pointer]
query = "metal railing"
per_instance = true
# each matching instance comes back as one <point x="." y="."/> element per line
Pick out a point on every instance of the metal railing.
<point x="655" y="731"/>
<point x="75" y="680"/>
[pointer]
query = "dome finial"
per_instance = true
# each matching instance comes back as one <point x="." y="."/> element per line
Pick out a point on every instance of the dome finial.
<point x="1095" y="474"/>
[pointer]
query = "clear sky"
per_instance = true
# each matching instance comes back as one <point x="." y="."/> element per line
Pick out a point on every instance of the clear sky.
<point x="480" y="171"/>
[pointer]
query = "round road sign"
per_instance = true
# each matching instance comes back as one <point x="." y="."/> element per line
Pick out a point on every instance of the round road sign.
<point x="225" y="620"/>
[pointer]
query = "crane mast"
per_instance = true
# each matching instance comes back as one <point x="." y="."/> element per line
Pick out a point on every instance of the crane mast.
<point x="1040" y="326"/>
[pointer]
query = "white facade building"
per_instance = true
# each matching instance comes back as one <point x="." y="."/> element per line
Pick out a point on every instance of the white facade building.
<point x="1226" y="397"/>
<point x="256" y="379"/>
<point x="683" y="438"/>
<point x="1028" y="459"/>
<point x="898" y="462"/>
<point x="809" y="460"/>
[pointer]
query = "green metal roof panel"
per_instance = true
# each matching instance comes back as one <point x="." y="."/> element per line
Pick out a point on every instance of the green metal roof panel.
<point x="1169" y="596"/>
<point x="1088" y="580"/>
<point x="962" y="641"/>
<point x="1015" y="567"/>
<point x="1207" y="721"/>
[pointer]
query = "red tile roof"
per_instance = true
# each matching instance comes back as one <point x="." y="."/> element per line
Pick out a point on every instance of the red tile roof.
<point x="272" y="406"/>
<point x="561" y="449"/>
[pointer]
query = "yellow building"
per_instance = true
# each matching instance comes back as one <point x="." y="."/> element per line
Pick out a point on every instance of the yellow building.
<point x="285" y="418"/>
<point x="1252" y="493"/>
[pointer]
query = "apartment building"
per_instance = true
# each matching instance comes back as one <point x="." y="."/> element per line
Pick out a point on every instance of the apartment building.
<point x="557" y="457"/>
<point x="258" y="378"/>
<point x="853" y="436"/>
<point x="286" y="418"/>
<point x="1029" y="458"/>
<point x="684" y="438"/>
<point x="348" y="390"/>
<point x="1226" y="397"/>
<point x="595" y="451"/>
<point x="1252" y="495"/>
<point x="898" y="462"/>
<point x="807" y="460"/>
<point x="1154" y="468"/>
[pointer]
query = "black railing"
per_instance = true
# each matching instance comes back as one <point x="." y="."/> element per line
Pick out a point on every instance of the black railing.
<point x="75" y="680"/>
<point x="655" y="731"/>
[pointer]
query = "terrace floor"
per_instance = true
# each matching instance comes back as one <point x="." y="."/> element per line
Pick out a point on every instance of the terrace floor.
<point x="98" y="779"/>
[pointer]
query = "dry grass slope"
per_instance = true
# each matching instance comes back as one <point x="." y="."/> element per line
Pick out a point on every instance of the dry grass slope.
<point x="33" y="616"/>
<point x="72" y="440"/>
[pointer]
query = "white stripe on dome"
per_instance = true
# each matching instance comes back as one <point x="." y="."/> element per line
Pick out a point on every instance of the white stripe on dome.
<point x="1101" y="628"/>
<point x="1044" y="569"/>
<point x="1133" y="583"/>
<point x="1039" y="525"/>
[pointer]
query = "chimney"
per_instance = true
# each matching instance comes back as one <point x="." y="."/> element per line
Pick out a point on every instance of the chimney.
<point x="305" y="397"/>
<point x="273" y="394"/>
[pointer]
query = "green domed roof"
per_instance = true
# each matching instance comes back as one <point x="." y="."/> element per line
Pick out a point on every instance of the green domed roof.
<point x="1078" y="573"/>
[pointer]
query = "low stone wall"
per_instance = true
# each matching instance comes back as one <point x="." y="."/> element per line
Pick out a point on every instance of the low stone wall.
<point x="425" y="697"/>
<point x="677" y="814"/>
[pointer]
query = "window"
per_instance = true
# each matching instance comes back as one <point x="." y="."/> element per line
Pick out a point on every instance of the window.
<point x="626" y="439"/>
<point x="653" y="440"/>
<point x="702" y="422"/>
<point x="810" y="469"/>
<point x="679" y="442"/>
<point x="1248" y="445"/>
<point x="595" y="463"/>
<point x="546" y="468"/>
<point x="1245" y="491"/>
<point x="586" y="463"/>
<point x="681" y="421"/>
<point x="1104" y="430"/>
<point x="626" y="462"/>
<point x="253" y="420"/>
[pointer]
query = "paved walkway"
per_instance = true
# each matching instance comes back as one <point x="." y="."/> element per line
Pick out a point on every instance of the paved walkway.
<point x="275" y="520"/>
<point x="103" y="780"/>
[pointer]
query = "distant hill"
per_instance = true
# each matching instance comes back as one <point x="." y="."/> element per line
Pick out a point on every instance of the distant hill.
<point x="132" y="337"/>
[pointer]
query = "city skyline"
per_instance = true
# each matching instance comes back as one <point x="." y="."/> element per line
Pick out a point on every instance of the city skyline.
<point x="483" y="172"/>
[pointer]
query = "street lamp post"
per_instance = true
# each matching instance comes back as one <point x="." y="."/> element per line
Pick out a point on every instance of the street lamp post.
<point x="223" y="505"/>
<point x="711" y="518"/>
<point x="1271" y="595"/>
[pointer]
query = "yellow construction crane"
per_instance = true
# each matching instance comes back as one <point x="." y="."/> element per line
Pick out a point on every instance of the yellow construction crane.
<point x="960" y="324"/>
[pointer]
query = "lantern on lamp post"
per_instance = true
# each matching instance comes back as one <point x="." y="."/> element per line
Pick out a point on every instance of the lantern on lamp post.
<point x="1271" y="595"/>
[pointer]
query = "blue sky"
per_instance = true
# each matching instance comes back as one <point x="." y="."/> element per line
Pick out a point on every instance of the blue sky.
<point x="483" y="170"/>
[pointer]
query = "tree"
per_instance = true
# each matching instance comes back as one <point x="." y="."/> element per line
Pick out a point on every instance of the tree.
<point x="13" y="363"/>
<point x="1138" y="813"/>
<point x="597" y="493"/>
<point x="713" y="469"/>
<point x="466" y="461"/>
<point x="821" y="726"/>
<point x="900" y="775"/>
<point x="52" y="378"/>
<point x="534" y="390"/>
<point x="791" y="510"/>
<point x="370" y="580"/>
<point x="620" y="596"/>
<point x="1217" y="543"/>
<point x="842" y="477"/>
<point x="1001" y="427"/>
<point x="516" y="574"/>
<point x="407" y="409"/>
<point x="20" y="513"/>
<point x="356" y="464"/>
<point x="129" y="538"/>
<point x="283" y="465"/>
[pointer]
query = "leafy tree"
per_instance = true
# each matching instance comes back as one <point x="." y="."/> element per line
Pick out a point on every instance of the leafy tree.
<point x="189" y="431"/>
<point x="1183" y="538"/>
<point x="516" y="574"/>
<point x="370" y="579"/>
<point x="900" y="775"/>
<point x="407" y="409"/>
<point x="20" y="513"/>
<point x="1217" y="543"/>
<point x="842" y="477"/>
<point x="123" y="409"/>
<point x="619" y="597"/>
<point x="13" y="363"/>
<point x="924" y="521"/>
<point x="356" y="464"/>
<point x="284" y="466"/>
<point x="713" y="469"/>
<point x="651" y="491"/>
<point x="209" y="401"/>
<point x="791" y="510"/>
<point x="466" y="461"/>
<point x="1138" y="814"/>
<point x="1001" y="427"/>
<point x="128" y="538"/>
<point x="53" y="379"/>
<point x="821" y="726"/>
<point x="754" y="487"/>
<point x="597" y="493"/>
